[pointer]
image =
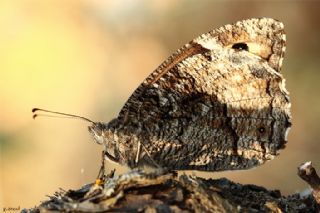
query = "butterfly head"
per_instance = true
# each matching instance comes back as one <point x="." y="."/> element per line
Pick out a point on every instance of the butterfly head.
<point x="97" y="132"/>
<point x="103" y="134"/>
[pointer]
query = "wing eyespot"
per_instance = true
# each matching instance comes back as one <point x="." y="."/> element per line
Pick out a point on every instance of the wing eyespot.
<point x="261" y="130"/>
<point x="240" y="46"/>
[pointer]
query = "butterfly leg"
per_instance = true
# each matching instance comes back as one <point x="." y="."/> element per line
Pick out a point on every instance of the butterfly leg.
<point x="101" y="174"/>
<point x="138" y="153"/>
<point x="98" y="186"/>
<point x="151" y="167"/>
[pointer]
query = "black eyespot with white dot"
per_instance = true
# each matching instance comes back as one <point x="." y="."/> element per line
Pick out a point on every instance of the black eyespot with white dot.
<point x="240" y="46"/>
<point x="261" y="130"/>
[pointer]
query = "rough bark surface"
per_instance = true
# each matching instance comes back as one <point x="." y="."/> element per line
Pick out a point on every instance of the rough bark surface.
<point x="309" y="175"/>
<point x="137" y="191"/>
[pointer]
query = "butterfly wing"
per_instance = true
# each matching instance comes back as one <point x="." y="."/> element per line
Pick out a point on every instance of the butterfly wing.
<point x="218" y="103"/>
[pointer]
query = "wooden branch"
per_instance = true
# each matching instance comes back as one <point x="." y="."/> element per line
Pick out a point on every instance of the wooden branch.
<point x="309" y="174"/>
<point x="137" y="191"/>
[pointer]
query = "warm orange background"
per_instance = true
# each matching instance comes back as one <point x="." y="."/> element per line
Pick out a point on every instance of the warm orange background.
<point x="87" y="56"/>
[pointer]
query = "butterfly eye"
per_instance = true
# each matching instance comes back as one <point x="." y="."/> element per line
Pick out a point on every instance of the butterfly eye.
<point x="240" y="46"/>
<point x="261" y="129"/>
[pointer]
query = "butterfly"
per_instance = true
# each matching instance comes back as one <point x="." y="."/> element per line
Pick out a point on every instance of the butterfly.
<point x="217" y="103"/>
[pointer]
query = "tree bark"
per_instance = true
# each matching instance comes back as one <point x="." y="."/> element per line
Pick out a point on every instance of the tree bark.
<point x="138" y="191"/>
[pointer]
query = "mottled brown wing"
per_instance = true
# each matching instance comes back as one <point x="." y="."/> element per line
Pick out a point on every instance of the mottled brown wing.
<point x="218" y="103"/>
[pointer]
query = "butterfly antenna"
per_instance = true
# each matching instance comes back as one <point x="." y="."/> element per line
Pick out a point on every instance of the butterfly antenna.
<point x="36" y="110"/>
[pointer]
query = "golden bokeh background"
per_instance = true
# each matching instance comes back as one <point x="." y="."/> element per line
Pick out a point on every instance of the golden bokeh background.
<point x="87" y="56"/>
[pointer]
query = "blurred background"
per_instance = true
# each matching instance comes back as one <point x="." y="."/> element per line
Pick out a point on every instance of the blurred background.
<point x="87" y="56"/>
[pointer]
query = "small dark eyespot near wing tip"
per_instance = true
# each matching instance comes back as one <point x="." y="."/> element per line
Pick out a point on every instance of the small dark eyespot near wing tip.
<point x="34" y="116"/>
<point x="240" y="46"/>
<point x="35" y="109"/>
<point x="261" y="129"/>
